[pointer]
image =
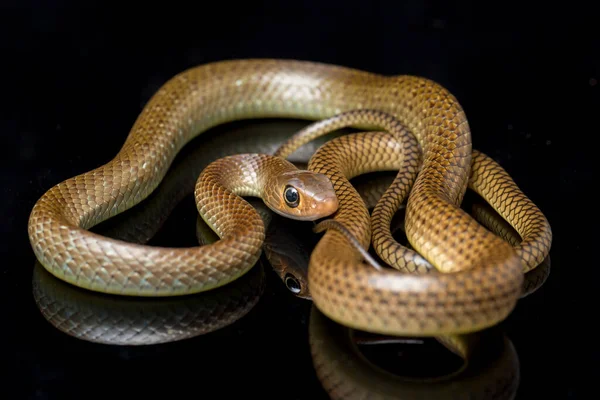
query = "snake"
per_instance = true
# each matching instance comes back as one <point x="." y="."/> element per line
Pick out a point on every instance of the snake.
<point x="481" y="273"/>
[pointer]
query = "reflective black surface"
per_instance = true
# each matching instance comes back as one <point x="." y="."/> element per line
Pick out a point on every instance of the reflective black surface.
<point x="77" y="75"/>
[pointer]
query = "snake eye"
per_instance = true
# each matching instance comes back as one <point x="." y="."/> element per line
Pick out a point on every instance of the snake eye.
<point x="291" y="196"/>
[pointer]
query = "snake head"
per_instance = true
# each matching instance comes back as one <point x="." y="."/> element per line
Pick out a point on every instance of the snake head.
<point x="301" y="195"/>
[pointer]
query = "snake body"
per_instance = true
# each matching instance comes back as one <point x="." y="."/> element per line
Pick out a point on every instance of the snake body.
<point x="387" y="301"/>
<point x="490" y="273"/>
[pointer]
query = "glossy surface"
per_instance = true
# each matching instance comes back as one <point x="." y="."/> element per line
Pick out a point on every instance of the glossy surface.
<point x="79" y="74"/>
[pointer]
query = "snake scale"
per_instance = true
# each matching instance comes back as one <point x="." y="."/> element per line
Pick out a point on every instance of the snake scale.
<point x="480" y="274"/>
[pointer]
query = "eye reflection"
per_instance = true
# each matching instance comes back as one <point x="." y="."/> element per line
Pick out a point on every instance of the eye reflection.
<point x="292" y="284"/>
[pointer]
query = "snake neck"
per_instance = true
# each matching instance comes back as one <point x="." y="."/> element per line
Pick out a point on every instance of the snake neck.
<point x="246" y="174"/>
<point x="342" y="160"/>
<point x="223" y="183"/>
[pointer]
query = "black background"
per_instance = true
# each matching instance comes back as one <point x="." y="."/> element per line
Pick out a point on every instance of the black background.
<point x="76" y="75"/>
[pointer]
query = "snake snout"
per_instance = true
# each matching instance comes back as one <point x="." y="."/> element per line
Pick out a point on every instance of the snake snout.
<point x="326" y="204"/>
<point x="324" y="199"/>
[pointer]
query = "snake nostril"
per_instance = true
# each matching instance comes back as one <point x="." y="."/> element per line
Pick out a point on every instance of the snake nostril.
<point x="292" y="283"/>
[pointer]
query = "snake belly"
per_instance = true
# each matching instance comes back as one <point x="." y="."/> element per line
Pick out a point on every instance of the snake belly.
<point x="212" y="94"/>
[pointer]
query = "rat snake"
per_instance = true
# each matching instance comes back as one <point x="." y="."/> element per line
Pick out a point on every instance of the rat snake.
<point x="480" y="274"/>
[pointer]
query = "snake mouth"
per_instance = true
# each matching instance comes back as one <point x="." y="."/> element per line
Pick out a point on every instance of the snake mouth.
<point x="305" y="217"/>
<point x="292" y="284"/>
